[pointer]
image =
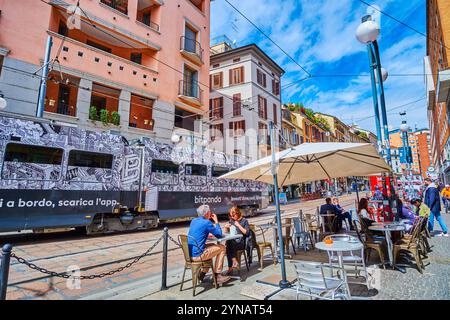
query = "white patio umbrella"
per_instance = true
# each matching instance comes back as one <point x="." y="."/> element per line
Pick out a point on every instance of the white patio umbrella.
<point x="315" y="161"/>
<point x="310" y="162"/>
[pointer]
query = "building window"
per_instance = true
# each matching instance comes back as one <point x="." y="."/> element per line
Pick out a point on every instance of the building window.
<point x="61" y="98"/>
<point x="199" y="4"/>
<point x="216" y="131"/>
<point x="163" y="166"/>
<point x="261" y="78"/>
<point x="262" y="107"/>
<point x="262" y="133"/>
<point x="237" y="76"/>
<point x="145" y="13"/>
<point x="236" y="60"/>
<point x="237" y="105"/>
<point x="185" y="119"/>
<point x="189" y="85"/>
<point x="196" y="170"/>
<point x="216" y="108"/>
<point x="104" y="102"/>
<point x="141" y="112"/>
<point x="136" y="57"/>
<point x="62" y="29"/>
<point x="119" y="5"/>
<point x="237" y="128"/>
<point x="216" y="80"/>
<point x="275" y="87"/>
<point x="190" y="40"/>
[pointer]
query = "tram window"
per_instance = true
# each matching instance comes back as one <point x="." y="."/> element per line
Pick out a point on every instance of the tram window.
<point x="163" y="166"/>
<point x="196" y="170"/>
<point x="78" y="158"/>
<point x="218" y="171"/>
<point x="16" y="152"/>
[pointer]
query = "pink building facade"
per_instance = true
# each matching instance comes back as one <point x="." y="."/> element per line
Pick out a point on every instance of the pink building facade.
<point x="138" y="67"/>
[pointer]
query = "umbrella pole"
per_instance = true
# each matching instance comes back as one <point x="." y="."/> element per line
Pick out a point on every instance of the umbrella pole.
<point x="283" y="283"/>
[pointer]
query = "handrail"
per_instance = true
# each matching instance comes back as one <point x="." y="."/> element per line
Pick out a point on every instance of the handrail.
<point x="192" y="46"/>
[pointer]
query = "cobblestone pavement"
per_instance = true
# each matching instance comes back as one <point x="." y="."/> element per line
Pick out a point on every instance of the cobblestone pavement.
<point x="98" y="254"/>
<point x="433" y="284"/>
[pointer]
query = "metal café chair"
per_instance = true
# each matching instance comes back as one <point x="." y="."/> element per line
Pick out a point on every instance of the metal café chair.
<point x="317" y="280"/>
<point x="301" y="235"/>
<point x="354" y="258"/>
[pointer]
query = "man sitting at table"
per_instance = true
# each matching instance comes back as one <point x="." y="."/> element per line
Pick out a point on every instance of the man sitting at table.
<point x="199" y="230"/>
<point x="328" y="208"/>
<point x="342" y="214"/>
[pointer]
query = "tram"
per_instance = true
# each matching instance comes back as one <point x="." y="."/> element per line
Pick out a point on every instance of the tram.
<point x="57" y="176"/>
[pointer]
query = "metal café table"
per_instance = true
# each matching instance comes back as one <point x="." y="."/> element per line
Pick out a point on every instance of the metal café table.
<point x="340" y="246"/>
<point x="225" y="237"/>
<point x="387" y="228"/>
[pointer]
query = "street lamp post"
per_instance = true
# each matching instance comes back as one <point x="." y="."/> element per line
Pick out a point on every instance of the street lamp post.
<point x="367" y="33"/>
<point x="404" y="128"/>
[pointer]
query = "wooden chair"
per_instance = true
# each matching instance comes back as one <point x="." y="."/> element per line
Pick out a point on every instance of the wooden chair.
<point x="410" y="245"/>
<point x="195" y="266"/>
<point x="262" y="246"/>
<point x="287" y="235"/>
<point x="370" y="243"/>
<point x="328" y="225"/>
<point x="243" y="252"/>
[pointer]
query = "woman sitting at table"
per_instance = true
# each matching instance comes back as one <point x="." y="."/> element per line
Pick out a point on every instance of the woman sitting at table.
<point x="363" y="212"/>
<point x="242" y="227"/>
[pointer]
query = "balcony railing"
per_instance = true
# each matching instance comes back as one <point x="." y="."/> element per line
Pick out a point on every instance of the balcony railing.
<point x="82" y="57"/>
<point x="191" y="46"/>
<point x="150" y="24"/>
<point x="190" y="89"/>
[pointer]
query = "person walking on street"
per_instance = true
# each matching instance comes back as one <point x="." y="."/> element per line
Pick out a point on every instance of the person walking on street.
<point x="433" y="201"/>
<point x="445" y="194"/>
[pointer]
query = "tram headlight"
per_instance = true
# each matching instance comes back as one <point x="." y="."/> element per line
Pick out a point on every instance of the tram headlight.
<point x="3" y="102"/>
<point x="175" y="138"/>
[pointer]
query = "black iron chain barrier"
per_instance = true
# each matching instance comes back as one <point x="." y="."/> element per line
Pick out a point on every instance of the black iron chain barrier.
<point x="174" y="241"/>
<point x="65" y="275"/>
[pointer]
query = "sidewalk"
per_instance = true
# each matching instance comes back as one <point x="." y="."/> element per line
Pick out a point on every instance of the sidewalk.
<point x="433" y="284"/>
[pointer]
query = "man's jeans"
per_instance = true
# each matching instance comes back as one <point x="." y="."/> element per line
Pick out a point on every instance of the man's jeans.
<point x="439" y="219"/>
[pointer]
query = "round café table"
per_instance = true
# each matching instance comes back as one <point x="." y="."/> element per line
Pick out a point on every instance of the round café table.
<point x="387" y="228"/>
<point x="340" y="247"/>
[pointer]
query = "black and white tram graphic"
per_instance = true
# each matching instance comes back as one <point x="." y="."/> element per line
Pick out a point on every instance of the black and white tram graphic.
<point x="57" y="176"/>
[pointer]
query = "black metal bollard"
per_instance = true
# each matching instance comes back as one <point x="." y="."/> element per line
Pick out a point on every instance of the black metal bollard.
<point x="164" y="262"/>
<point x="4" y="270"/>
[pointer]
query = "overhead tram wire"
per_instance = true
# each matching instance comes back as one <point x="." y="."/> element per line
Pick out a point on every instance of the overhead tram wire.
<point x="270" y="39"/>
<point x="403" y="23"/>
<point x="391" y="109"/>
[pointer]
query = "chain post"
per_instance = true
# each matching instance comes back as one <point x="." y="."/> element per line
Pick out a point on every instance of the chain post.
<point x="164" y="262"/>
<point x="4" y="270"/>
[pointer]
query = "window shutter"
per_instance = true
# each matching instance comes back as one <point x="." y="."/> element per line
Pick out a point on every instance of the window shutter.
<point x="231" y="76"/>
<point x="275" y="115"/>
<point x="221" y="80"/>
<point x="210" y="108"/>
<point x="264" y="80"/>
<point x="278" y="88"/>
<point x="210" y="82"/>
<point x="265" y="108"/>
<point x="231" y="127"/>
<point x="221" y="107"/>
<point x="274" y="90"/>
<point x="242" y="75"/>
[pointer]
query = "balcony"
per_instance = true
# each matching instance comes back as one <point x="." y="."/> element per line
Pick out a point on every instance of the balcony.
<point x="190" y="92"/>
<point x="81" y="57"/>
<point x="443" y="83"/>
<point x="119" y="18"/>
<point x="191" y="49"/>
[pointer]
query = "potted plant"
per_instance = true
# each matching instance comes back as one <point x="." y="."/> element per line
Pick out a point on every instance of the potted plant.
<point x="93" y="115"/>
<point x="115" y="118"/>
<point x="104" y="116"/>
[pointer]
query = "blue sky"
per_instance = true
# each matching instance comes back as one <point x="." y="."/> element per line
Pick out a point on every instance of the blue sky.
<point x="320" y="35"/>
